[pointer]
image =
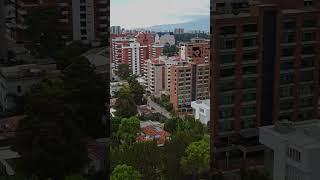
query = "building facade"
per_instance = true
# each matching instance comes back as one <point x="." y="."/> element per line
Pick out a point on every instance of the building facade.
<point x="201" y="110"/>
<point x="155" y="79"/>
<point x="197" y="49"/>
<point x="292" y="150"/>
<point x="85" y="20"/>
<point x="115" y="30"/>
<point x="264" y="67"/>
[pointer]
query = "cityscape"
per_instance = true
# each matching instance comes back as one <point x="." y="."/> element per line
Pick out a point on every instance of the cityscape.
<point x="159" y="90"/>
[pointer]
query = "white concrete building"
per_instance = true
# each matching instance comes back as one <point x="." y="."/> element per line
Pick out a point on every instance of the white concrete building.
<point x="167" y="39"/>
<point x="201" y="110"/>
<point x="154" y="76"/>
<point x="293" y="150"/>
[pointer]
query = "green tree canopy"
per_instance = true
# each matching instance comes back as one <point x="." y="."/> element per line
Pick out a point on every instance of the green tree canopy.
<point x="123" y="71"/>
<point x="84" y="99"/>
<point x="125" y="105"/>
<point x="50" y="144"/>
<point x="124" y="172"/>
<point x="196" y="159"/>
<point x="137" y="91"/>
<point x="143" y="156"/>
<point x="129" y="129"/>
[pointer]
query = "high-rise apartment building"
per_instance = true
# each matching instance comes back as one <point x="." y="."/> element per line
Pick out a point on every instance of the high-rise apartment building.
<point x="115" y="29"/>
<point x="3" y="41"/>
<point x="155" y="76"/>
<point x="178" y="31"/>
<point x="135" y="56"/>
<point x="189" y="82"/>
<point x="265" y="67"/>
<point x="197" y="49"/>
<point x="85" y="20"/>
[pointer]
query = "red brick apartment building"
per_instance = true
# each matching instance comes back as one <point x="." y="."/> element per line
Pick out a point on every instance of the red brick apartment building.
<point x="190" y="78"/>
<point x="264" y="68"/>
<point x="85" y="20"/>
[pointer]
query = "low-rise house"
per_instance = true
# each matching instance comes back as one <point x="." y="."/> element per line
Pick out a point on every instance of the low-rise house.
<point x="144" y="110"/>
<point x="201" y="110"/>
<point x="153" y="131"/>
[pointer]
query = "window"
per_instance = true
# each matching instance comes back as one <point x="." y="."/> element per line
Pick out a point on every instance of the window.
<point x="83" y="24"/>
<point x="83" y="16"/>
<point x="248" y="110"/>
<point x="226" y="99"/>
<point x="306" y="76"/>
<point x="286" y="91"/>
<point x="82" y="8"/>
<point x="308" y="3"/>
<point x="249" y="56"/>
<point x="226" y="113"/>
<point x="286" y="104"/>
<point x="225" y="125"/>
<point x="306" y="89"/>
<point x="307" y="63"/>
<point x="288" y="51"/>
<point x="248" y="123"/>
<point x="228" y="30"/>
<point x="306" y="115"/>
<point x="247" y="97"/>
<point x="309" y="36"/>
<point x="289" y="37"/>
<point x="228" y="44"/>
<point x="289" y="24"/>
<point x="227" y="72"/>
<point x="249" y="70"/>
<point x="306" y="102"/>
<point x="252" y="42"/>
<point x="286" y="65"/>
<point x="249" y="83"/>
<point x="226" y="86"/>
<point x="19" y="89"/>
<point x="308" y="49"/>
<point x="248" y="28"/>
<point x="227" y="58"/>
<point x="310" y="22"/>
<point x="82" y="1"/>
<point x="286" y="78"/>
<point x="294" y="154"/>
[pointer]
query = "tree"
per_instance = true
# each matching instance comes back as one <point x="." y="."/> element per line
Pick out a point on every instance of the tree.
<point x="136" y="90"/>
<point x="125" y="105"/>
<point x="49" y="142"/>
<point x="123" y="71"/>
<point x="196" y="159"/>
<point x="124" y="172"/>
<point x="143" y="156"/>
<point x="75" y="177"/>
<point x="44" y="30"/>
<point x="85" y="97"/>
<point x="129" y="129"/>
<point x="65" y="56"/>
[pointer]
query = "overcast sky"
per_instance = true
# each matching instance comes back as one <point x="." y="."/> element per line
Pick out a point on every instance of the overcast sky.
<point x="146" y="13"/>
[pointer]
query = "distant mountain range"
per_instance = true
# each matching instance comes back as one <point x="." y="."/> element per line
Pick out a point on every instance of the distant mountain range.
<point x="201" y="23"/>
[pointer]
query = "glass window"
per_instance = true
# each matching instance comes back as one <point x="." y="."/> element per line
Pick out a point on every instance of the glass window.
<point x="249" y="83"/>
<point x="289" y="37"/>
<point x="250" y="28"/>
<point x="289" y="51"/>
<point x="289" y="24"/>
<point x="286" y="104"/>
<point x="286" y="91"/>
<point x="226" y="30"/>
<point x="306" y="89"/>
<point x="227" y="58"/>
<point x="248" y="110"/>
<point x="286" y="78"/>
<point x="249" y="70"/>
<point x="227" y="72"/>
<point x="248" y="123"/>
<point x="249" y="56"/>
<point x="249" y="97"/>
<point x="225" y="126"/>
<point x="310" y="22"/>
<point x="226" y="99"/>
<point x="228" y="44"/>
<point x="226" y="86"/>
<point x="252" y="42"/>
<point x="226" y="113"/>
<point x="307" y="63"/>
<point x="306" y="76"/>
<point x="306" y="102"/>
<point x="309" y="36"/>
<point x="308" y="49"/>
<point x="286" y="65"/>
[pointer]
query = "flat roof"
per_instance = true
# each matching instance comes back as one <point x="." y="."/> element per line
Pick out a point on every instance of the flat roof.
<point x="304" y="134"/>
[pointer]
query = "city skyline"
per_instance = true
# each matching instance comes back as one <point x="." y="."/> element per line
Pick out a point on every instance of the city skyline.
<point x="185" y="11"/>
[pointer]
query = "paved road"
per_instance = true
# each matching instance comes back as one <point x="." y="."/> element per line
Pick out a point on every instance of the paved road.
<point x="158" y="108"/>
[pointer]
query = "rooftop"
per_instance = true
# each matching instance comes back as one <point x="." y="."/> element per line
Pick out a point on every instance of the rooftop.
<point x="304" y="134"/>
